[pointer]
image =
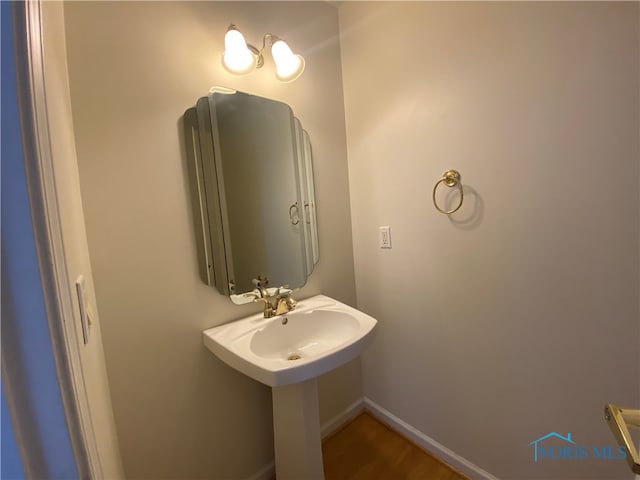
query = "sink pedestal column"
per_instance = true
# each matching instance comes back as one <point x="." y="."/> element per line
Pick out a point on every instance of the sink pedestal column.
<point x="296" y="431"/>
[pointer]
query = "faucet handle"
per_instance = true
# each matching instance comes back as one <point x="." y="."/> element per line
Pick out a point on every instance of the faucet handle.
<point x="279" y="292"/>
<point x="260" y="281"/>
<point x="269" y="311"/>
<point x="284" y="304"/>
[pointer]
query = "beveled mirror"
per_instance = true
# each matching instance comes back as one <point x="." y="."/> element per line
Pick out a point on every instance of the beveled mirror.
<point x="251" y="175"/>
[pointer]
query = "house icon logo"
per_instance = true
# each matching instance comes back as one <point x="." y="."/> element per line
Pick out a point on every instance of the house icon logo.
<point x="547" y="436"/>
<point x="554" y="446"/>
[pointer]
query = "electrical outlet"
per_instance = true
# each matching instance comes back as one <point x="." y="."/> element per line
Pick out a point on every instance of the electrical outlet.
<point x="384" y="236"/>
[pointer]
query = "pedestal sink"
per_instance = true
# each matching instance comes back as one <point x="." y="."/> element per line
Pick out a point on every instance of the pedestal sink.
<point x="288" y="353"/>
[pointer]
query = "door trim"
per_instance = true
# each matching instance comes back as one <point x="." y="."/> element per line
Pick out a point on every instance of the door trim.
<point x="47" y="226"/>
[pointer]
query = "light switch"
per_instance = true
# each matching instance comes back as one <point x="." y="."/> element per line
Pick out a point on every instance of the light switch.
<point x="84" y="316"/>
<point x="384" y="236"/>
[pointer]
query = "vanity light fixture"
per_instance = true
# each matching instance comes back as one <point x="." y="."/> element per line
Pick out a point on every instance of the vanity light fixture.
<point x="241" y="58"/>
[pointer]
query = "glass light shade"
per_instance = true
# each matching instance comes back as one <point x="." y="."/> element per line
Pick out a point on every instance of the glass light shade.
<point x="289" y="66"/>
<point x="237" y="58"/>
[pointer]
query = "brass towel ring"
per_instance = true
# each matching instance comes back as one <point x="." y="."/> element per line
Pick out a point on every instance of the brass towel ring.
<point x="450" y="178"/>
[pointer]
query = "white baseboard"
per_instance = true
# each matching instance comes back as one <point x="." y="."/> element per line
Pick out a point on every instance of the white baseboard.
<point x="461" y="464"/>
<point x="439" y="451"/>
<point x="268" y="472"/>
<point x="349" y="413"/>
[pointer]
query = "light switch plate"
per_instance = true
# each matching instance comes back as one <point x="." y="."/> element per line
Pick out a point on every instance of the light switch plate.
<point x="385" y="236"/>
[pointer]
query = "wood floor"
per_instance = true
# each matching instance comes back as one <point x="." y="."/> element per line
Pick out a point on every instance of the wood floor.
<point x="366" y="449"/>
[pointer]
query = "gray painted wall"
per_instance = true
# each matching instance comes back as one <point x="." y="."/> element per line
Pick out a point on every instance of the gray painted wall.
<point x="519" y="315"/>
<point x="516" y="317"/>
<point x="134" y="68"/>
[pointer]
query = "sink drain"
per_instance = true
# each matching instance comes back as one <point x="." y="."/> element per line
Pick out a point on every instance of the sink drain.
<point x="294" y="356"/>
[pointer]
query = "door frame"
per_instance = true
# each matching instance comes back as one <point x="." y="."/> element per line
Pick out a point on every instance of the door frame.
<point x="59" y="298"/>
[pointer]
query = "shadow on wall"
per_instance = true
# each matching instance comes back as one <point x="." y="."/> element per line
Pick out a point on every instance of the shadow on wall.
<point x="471" y="213"/>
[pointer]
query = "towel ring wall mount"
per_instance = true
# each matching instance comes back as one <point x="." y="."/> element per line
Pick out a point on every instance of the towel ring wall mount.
<point x="451" y="179"/>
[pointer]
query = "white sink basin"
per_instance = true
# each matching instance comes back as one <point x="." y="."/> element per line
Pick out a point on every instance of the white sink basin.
<point x="319" y="335"/>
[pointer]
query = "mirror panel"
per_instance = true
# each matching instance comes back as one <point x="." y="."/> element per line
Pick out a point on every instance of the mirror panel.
<point x="251" y="178"/>
<point x="307" y="193"/>
<point x="311" y="200"/>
